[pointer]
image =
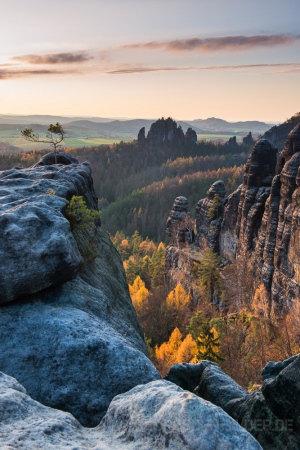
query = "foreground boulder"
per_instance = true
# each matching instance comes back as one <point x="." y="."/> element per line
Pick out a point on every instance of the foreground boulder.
<point x="158" y="415"/>
<point x="71" y="335"/>
<point x="251" y="410"/>
<point x="282" y="392"/>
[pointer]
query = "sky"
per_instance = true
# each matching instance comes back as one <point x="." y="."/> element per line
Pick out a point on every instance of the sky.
<point x="191" y="59"/>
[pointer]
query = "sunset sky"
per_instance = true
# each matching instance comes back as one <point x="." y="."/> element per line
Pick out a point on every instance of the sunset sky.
<point x="237" y="60"/>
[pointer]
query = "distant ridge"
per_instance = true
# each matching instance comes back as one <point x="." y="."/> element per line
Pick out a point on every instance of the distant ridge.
<point x="104" y="124"/>
<point x="214" y="124"/>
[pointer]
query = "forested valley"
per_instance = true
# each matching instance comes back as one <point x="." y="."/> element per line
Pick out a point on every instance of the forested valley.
<point x="136" y="184"/>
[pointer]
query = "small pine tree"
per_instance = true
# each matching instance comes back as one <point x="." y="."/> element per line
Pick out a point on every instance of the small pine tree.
<point x="79" y="215"/>
<point x="208" y="344"/>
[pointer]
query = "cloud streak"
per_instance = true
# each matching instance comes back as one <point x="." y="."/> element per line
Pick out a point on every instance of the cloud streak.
<point x="143" y="69"/>
<point x="23" y="73"/>
<point x="54" y="58"/>
<point x="215" y="44"/>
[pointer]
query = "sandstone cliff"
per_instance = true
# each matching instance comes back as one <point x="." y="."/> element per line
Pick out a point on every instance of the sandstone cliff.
<point x="68" y="329"/>
<point x="279" y="133"/>
<point x="257" y="226"/>
<point x="70" y="335"/>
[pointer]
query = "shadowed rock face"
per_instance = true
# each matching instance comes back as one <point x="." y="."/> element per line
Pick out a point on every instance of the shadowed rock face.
<point x="70" y="333"/>
<point x="279" y="133"/>
<point x="252" y="411"/>
<point x="228" y="237"/>
<point x="190" y="136"/>
<point x="282" y="391"/>
<point x="165" y="130"/>
<point x="259" y="173"/>
<point x="156" y="416"/>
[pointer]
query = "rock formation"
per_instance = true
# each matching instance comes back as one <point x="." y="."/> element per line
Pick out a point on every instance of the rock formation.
<point x="257" y="226"/>
<point x="248" y="140"/>
<point x="141" y="136"/>
<point x="179" y="225"/>
<point x="281" y="389"/>
<point x="232" y="141"/>
<point x="156" y="416"/>
<point x="69" y="332"/>
<point x="190" y="136"/>
<point x="267" y="417"/>
<point x="209" y="215"/>
<point x="165" y="130"/>
<point x="279" y="133"/>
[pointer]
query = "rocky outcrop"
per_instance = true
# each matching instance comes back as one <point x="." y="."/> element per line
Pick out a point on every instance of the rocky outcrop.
<point x="209" y="215"/>
<point x="259" y="173"/>
<point x="279" y="133"/>
<point x="250" y="410"/>
<point x="232" y="142"/>
<point x="158" y="416"/>
<point x="69" y="332"/>
<point x="228" y="237"/>
<point x="258" y="225"/>
<point x="179" y="224"/>
<point x="248" y="140"/>
<point x="165" y="130"/>
<point x="282" y="392"/>
<point x="37" y="248"/>
<point x="141" y="136"/>
<point x="190" y="136"/>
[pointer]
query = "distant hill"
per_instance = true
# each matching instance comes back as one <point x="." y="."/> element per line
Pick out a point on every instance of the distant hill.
<point x="220" y="126"/>
<point x="210" y="125"/>
<point x="45" y="119"/>
<point x="120" y="126"/>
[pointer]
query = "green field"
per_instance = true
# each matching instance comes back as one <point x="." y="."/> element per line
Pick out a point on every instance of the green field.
<point x="24" y="145"/>
<point x="14" y="138"/>
<point x="212" y="137"/>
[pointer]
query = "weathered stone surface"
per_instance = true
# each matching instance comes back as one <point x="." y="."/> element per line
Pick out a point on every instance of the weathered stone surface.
<point x="249" y="410"/>
<point x="77" y="344"/>
<point x="208" y="228"/>
<point x="276" y="256"/>
<point x="179" y="225"/>
<point x="37" y="248"/>
<point x="228" y="237"/>
<point x="272" y="369"/>
<point x="259" y="173"/>
<point x="283" y="391"/>
<point x="187" y="376"/>
<point x="155" y="416"/>
<point x="164" y="416"/>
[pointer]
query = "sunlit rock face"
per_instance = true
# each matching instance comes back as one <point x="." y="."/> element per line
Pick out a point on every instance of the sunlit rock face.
<point x="69" y="332"/>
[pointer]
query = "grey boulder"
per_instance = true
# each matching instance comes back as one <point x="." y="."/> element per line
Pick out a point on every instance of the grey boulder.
<point x="156" y="416"/>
